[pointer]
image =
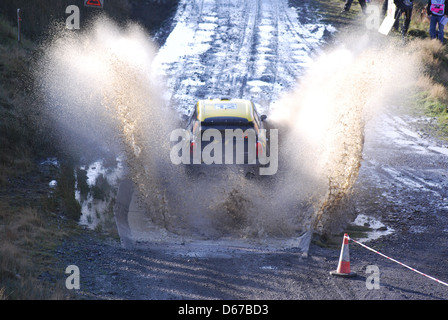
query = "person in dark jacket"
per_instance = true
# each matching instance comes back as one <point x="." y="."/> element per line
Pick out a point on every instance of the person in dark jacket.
<point x="402" y="7"/>
<point x="348" y="4"/>
<point x="436" y="11"/>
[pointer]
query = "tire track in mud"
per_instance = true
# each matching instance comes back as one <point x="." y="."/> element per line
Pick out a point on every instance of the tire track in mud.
<point x="245" y="49"/>
<point x="183" y="16"/>
<point x="277" y="54"/>
<point x="233" y="46"/>
<point x="255" y="65"/>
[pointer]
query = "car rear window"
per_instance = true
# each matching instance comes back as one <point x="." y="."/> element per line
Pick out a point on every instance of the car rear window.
<point x="221" y="123"/>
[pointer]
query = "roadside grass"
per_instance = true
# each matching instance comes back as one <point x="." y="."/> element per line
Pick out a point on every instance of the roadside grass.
<point x="15" y="130"/>
<point x="34" y="220"/>
<point x="28" y="239"/>
<point x="431" y="97"/>
<point x="33" y="223"/>
<point x="30" y="222"/>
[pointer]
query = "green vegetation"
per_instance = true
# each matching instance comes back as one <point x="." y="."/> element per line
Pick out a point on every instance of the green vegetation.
<point x="30" y="226"/>
<point x="28" y="239"/>
<point x="15" y="131"/>
<point x="432" y="97"/>
<point x="34" y="219"/>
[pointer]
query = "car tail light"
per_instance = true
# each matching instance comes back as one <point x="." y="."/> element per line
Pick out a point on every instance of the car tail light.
<point x="259" y="148"/>
<point x="192" y="147"/>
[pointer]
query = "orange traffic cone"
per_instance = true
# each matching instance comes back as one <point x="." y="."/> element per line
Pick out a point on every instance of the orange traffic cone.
<point x="344" y="261"/>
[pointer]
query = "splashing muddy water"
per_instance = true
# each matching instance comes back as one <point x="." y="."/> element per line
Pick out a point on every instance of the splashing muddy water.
<point x="325" y="116"/>
<point x="100" y="88"/>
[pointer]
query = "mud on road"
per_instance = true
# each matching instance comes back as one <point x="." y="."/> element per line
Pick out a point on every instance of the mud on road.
<point x="402" y="182"/>
<point x="182" y="268"/>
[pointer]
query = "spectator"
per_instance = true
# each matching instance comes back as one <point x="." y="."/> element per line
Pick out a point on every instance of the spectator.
<point x="348" y="4"/>
<point x="436" y="11"/>
<point x="402" y="6"/>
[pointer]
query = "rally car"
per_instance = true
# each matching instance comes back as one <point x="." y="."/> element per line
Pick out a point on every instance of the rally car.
<point x="225" y="132"/>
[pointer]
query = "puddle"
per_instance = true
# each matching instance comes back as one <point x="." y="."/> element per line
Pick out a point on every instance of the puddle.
<point x="96" y="189"/>
<point x="374" y="228"/>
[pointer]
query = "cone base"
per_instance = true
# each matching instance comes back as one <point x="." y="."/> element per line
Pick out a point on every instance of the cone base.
<point x="346" y="275"/>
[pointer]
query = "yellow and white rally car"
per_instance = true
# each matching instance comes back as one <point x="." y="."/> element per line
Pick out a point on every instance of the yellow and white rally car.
<point x="226" y="131"/>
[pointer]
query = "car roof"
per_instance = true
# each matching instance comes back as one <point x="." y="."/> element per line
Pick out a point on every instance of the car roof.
<point x="235" y="108"/>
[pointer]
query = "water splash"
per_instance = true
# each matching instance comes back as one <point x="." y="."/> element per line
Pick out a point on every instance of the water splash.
<point x="326" y="114"/>
<point x="100" y="88"/>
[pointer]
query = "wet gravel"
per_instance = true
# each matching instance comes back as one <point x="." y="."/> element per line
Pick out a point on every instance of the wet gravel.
<point x="156" y="272"/>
